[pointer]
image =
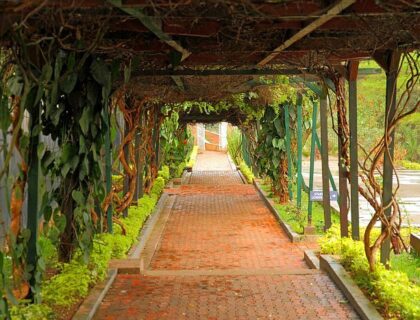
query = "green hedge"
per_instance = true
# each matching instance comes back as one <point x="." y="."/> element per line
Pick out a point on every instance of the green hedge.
<point x="193" y="157"/>
<point x="75" y="278"/>
<point x="247" y="172"/>
<point x="390" y="290"/>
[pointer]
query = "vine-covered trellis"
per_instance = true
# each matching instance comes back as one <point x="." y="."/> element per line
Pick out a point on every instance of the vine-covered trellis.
<point x="68" y="68"/>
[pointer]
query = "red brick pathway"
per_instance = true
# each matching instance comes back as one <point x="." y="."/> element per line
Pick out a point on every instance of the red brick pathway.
<point x="222" y="255"/>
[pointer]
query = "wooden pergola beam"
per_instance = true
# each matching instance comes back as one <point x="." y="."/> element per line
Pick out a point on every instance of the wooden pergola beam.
<point x="150" y="23"/>
<point x="331" y="13"/>
<point x="236" y="72"/>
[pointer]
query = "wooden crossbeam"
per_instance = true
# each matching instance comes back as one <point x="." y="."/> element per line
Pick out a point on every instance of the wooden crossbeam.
<point x="151" y="24"/>
<point x="331" y="13"/>
<point x="236" y="72"/>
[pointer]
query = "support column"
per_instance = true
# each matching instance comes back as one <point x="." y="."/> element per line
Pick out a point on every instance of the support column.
<point x="137" y="160"/>
<point x="354" y="173"/>
<point x="342" y="175"/>
<point x="312" y="159"/>
<point x="33" y="194"/>
<point x="392" y="60"/>
<point x="288" y="151"/>
<point x="299" y="151"/>
<point x="126" y="178"/>
<point x="108" y="168"/>
<point x="324" y="156"/>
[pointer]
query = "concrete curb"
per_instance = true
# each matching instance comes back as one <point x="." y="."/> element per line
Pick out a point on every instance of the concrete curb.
<point x="293" y="236"/>
<point x="352" y="292"/>
<point x="311" y="259"/>
<point x="242" y="176"/>
<point x="232" y="164"/>
<point x="147" y="229"/>
<point x="91" y="304"/>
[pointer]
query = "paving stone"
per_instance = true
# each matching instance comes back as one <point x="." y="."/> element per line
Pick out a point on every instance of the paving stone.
<point x="222" y="255"/>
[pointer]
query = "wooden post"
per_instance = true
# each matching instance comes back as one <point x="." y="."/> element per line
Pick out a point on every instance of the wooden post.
<point x="108" y="167"/>
<point x="312" y="159"/>
<point x="33" y="194"/>
<point x="342" y="177"/>
<point x="299" y="151"/>
<point x="354" y="174"/>
<point x="126" y="177"/>
<point x="137" y="160"/>
<point x="390" y="63"/>
<point x="288" y="151"/>
<point x="324" y="156"/>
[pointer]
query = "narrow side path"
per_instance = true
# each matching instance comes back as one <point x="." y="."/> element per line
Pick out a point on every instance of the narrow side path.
<point x="220" y="254"/>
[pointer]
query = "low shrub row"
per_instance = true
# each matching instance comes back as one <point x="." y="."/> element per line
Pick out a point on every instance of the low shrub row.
<point x="390" y="290"/>
<point x="74" y="279"/>
<point x="193" y="157"/>
<point x="246" y="171"/>
<point x="410" y="165"/>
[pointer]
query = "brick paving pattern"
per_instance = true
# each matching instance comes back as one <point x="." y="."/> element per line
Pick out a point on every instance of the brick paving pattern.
<point x="222" y="255"/>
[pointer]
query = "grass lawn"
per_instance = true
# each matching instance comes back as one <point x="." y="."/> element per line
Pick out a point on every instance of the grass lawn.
<point x="298" y="219"/>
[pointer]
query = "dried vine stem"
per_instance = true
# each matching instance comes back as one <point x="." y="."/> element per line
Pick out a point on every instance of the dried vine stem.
<point x="370" y="168"/>
<point x="373" y="191"/>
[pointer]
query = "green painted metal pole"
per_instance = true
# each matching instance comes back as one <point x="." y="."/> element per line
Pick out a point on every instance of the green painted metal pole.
<point x="312" y="158"/>
<point x="33" y="195"/>
<point x="299" y="151"/>
<point x="324" y="156"/>
<point x="354" y="174"/>
<point x="108" y="168"/>
<point x="332" y="182"/>
<point x="391" y="104"/>
<point x="288" y="151"/>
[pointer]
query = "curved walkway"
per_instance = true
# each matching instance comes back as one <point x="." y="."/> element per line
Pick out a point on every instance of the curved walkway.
<point x="218" y="253"/>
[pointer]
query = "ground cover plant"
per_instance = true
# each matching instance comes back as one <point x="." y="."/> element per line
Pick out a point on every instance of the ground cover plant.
<point x="72" y="280"/>
<point x="396" y="292"/>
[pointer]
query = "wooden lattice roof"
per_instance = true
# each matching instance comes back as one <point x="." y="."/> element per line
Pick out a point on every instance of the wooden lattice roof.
<point x="225" y="35"/>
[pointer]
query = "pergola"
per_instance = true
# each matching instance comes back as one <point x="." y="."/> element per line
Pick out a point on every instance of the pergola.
<point x="207" y="50"/>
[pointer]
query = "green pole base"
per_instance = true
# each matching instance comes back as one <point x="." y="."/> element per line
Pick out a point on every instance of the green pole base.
<point x="309" y="230"/>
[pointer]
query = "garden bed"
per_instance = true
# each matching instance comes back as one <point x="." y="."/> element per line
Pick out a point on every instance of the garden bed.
<point x="394" y="292"/>
<point x="68" y="284"/>
<point x="298" y="219"/>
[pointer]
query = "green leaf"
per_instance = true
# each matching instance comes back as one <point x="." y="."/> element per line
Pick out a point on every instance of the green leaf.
<point x="78" y="197"/>
<point x="65" y="169"/>
<point x="60" y="222"/>
<point x="71" y="61"/>
<point x="68" y="152"/>
<point x="278" y="125"/>
<point x="4" y="113"/>
<point x="100" y="72"/>
<point x="40" y="150"/>
<point x="85" y="120"/>
<point x="92" y="92"/>
<point x="68" y="83"/>
<point x="58" y="65"/>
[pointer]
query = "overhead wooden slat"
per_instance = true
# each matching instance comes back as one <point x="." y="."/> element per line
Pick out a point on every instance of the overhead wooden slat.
<point x="331" y="13"/>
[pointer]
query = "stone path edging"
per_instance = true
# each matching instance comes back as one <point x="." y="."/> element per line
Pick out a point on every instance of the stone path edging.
<point x="342" y="279"/>
<point x="293" y="236"/>
<point x="91" y="303"/>
<point x="147" y="228"/>
<point x="311" y="259"/>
